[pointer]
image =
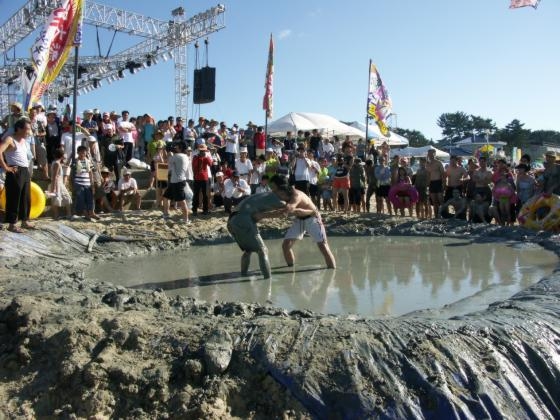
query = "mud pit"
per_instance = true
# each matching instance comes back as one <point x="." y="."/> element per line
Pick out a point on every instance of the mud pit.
<point x="375" y="275"/>
<point x="71" y="348"/>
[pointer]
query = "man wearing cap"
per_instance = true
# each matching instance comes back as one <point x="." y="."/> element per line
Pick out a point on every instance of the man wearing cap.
<point x="178" y="166"/>
<point x="14" y="161"/>
<point x="108" y="130"/>
<point x="243" y="165"/>
<point x="201" y="164"/>
<point x="53" y="134"/>
<point x="551" y="174"/>
<point x="189" y="133"/>
<point x="218" y="190"/>
<point x="89" y="124"/>
<point x="178" y="127"/>
<point x="200" y="128"/>
<point x="128" y="190"/>
<point x="235" y="190"/>
<point x="125" y="129"/>
<point x="232" y="146"/>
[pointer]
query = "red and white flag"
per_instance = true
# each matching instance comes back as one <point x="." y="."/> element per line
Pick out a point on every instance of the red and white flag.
<point x="268" y="84"/>
<point x="522" y="3"/>
<point x="53" y="45"/>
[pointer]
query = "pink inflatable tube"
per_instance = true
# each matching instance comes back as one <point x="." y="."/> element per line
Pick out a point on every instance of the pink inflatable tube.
<point x="398" y="192"/>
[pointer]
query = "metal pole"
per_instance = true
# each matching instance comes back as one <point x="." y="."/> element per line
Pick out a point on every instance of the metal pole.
<point x="367" y="101"/>
<point x="74" y="106"/>
<point x="266" y="130"/>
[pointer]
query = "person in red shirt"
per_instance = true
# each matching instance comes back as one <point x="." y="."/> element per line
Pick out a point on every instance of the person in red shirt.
<point x="201" y="164"/>
<point x="260" y="141"/>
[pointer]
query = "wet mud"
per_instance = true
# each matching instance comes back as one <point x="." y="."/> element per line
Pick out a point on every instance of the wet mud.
<point x="74" y="348"/>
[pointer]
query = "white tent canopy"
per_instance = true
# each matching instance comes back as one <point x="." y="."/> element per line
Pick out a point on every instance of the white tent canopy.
<point x="308" y="121"/>
<point x="373" y="132"/>
<point x="421" y="152"/>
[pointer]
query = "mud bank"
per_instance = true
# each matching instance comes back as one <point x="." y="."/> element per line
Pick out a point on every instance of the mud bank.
<point x="73" y="349"/>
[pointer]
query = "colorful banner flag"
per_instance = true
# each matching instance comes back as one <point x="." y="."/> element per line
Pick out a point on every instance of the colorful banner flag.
<point x="53" y="44"/>
<point x="522" y="3"/>
<point x="379" y="106"/>
<point x="268" y="84"/>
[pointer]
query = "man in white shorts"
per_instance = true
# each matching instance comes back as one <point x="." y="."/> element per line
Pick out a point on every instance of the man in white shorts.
<point x="307" y="219"/>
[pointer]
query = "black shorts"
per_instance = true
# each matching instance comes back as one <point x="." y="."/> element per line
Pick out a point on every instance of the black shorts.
<point x="313" y="190"/>
<point x="175" y="191"/>
<point x="436" y="187"/>
<point x="383" y="191"/>
<point x="355" y="195"/>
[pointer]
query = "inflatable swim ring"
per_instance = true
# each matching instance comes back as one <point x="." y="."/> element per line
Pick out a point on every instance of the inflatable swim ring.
<point x="541" y="212"/>
<point x="38" y="201"/>
<point x="505" y="193"/>
<point x="398" y="191"/>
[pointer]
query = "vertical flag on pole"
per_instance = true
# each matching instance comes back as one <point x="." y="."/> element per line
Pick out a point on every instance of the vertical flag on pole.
<point x="52" y="46"/>
<point x="268" y="84"/>
<point x="379" y="106"/>
<point x="522" y="3"/>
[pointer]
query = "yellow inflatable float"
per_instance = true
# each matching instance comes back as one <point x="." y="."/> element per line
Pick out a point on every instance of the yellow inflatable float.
<point x="38" y="201"/>
<point x="541" y="212"/>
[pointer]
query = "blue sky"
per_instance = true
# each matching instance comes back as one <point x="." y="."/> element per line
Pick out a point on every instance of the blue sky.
<point x="435" y="56"/>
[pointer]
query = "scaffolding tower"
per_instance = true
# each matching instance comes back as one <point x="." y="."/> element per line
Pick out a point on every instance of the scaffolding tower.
<point x="161" y="40"/>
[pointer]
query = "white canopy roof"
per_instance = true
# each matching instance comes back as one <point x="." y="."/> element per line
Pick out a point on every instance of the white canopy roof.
<point x="374" y="133"/>
<point x="308" y="121"/>
<point x="421" y="152"/>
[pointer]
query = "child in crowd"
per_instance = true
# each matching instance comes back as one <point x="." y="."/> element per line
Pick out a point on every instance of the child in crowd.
<point x="84" y="185"/>
<point x="61" y="197"/>
<point x="107" y="198"/>
<point x="263" y="186"/>
<point x="257" y="173"/>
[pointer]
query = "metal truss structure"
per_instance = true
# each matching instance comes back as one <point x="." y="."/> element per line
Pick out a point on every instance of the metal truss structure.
<point x="162" y="40"/>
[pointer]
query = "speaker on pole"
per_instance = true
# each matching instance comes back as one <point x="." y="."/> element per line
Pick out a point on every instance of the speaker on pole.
<point x="204" y="85"/>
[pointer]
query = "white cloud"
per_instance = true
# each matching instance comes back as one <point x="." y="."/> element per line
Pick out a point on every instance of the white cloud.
<point x="285" y="33"/>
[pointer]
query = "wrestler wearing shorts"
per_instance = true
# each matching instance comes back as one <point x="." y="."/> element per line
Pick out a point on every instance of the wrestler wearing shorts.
<point x="311" y="224"/>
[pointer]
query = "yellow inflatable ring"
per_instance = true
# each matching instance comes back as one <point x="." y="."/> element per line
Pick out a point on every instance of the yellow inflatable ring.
<point x="531" y="216"/>
<point x="38" y="201"/>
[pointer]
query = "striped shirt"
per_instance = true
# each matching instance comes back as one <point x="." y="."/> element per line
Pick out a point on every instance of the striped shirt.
<point x="83" y="169"/>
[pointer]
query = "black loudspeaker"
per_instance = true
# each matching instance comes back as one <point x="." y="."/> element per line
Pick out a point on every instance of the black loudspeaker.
<point x="204" y="85"/>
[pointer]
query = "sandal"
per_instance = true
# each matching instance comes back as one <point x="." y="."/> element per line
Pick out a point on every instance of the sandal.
<point x="15" y="229"/>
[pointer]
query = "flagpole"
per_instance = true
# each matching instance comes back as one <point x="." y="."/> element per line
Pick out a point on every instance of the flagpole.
<point x="74" y="104"/>
<point x="367" y="101"/>
<point x="266" y="125"/>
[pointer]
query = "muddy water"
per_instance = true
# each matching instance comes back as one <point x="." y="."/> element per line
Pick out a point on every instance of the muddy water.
<point x="375" y="276"/>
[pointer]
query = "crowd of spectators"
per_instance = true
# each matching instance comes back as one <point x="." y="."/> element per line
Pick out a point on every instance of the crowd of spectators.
<point x="211" y="164"/>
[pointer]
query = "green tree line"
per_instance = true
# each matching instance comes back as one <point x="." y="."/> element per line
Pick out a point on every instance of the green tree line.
<point x="458" y="125"/>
